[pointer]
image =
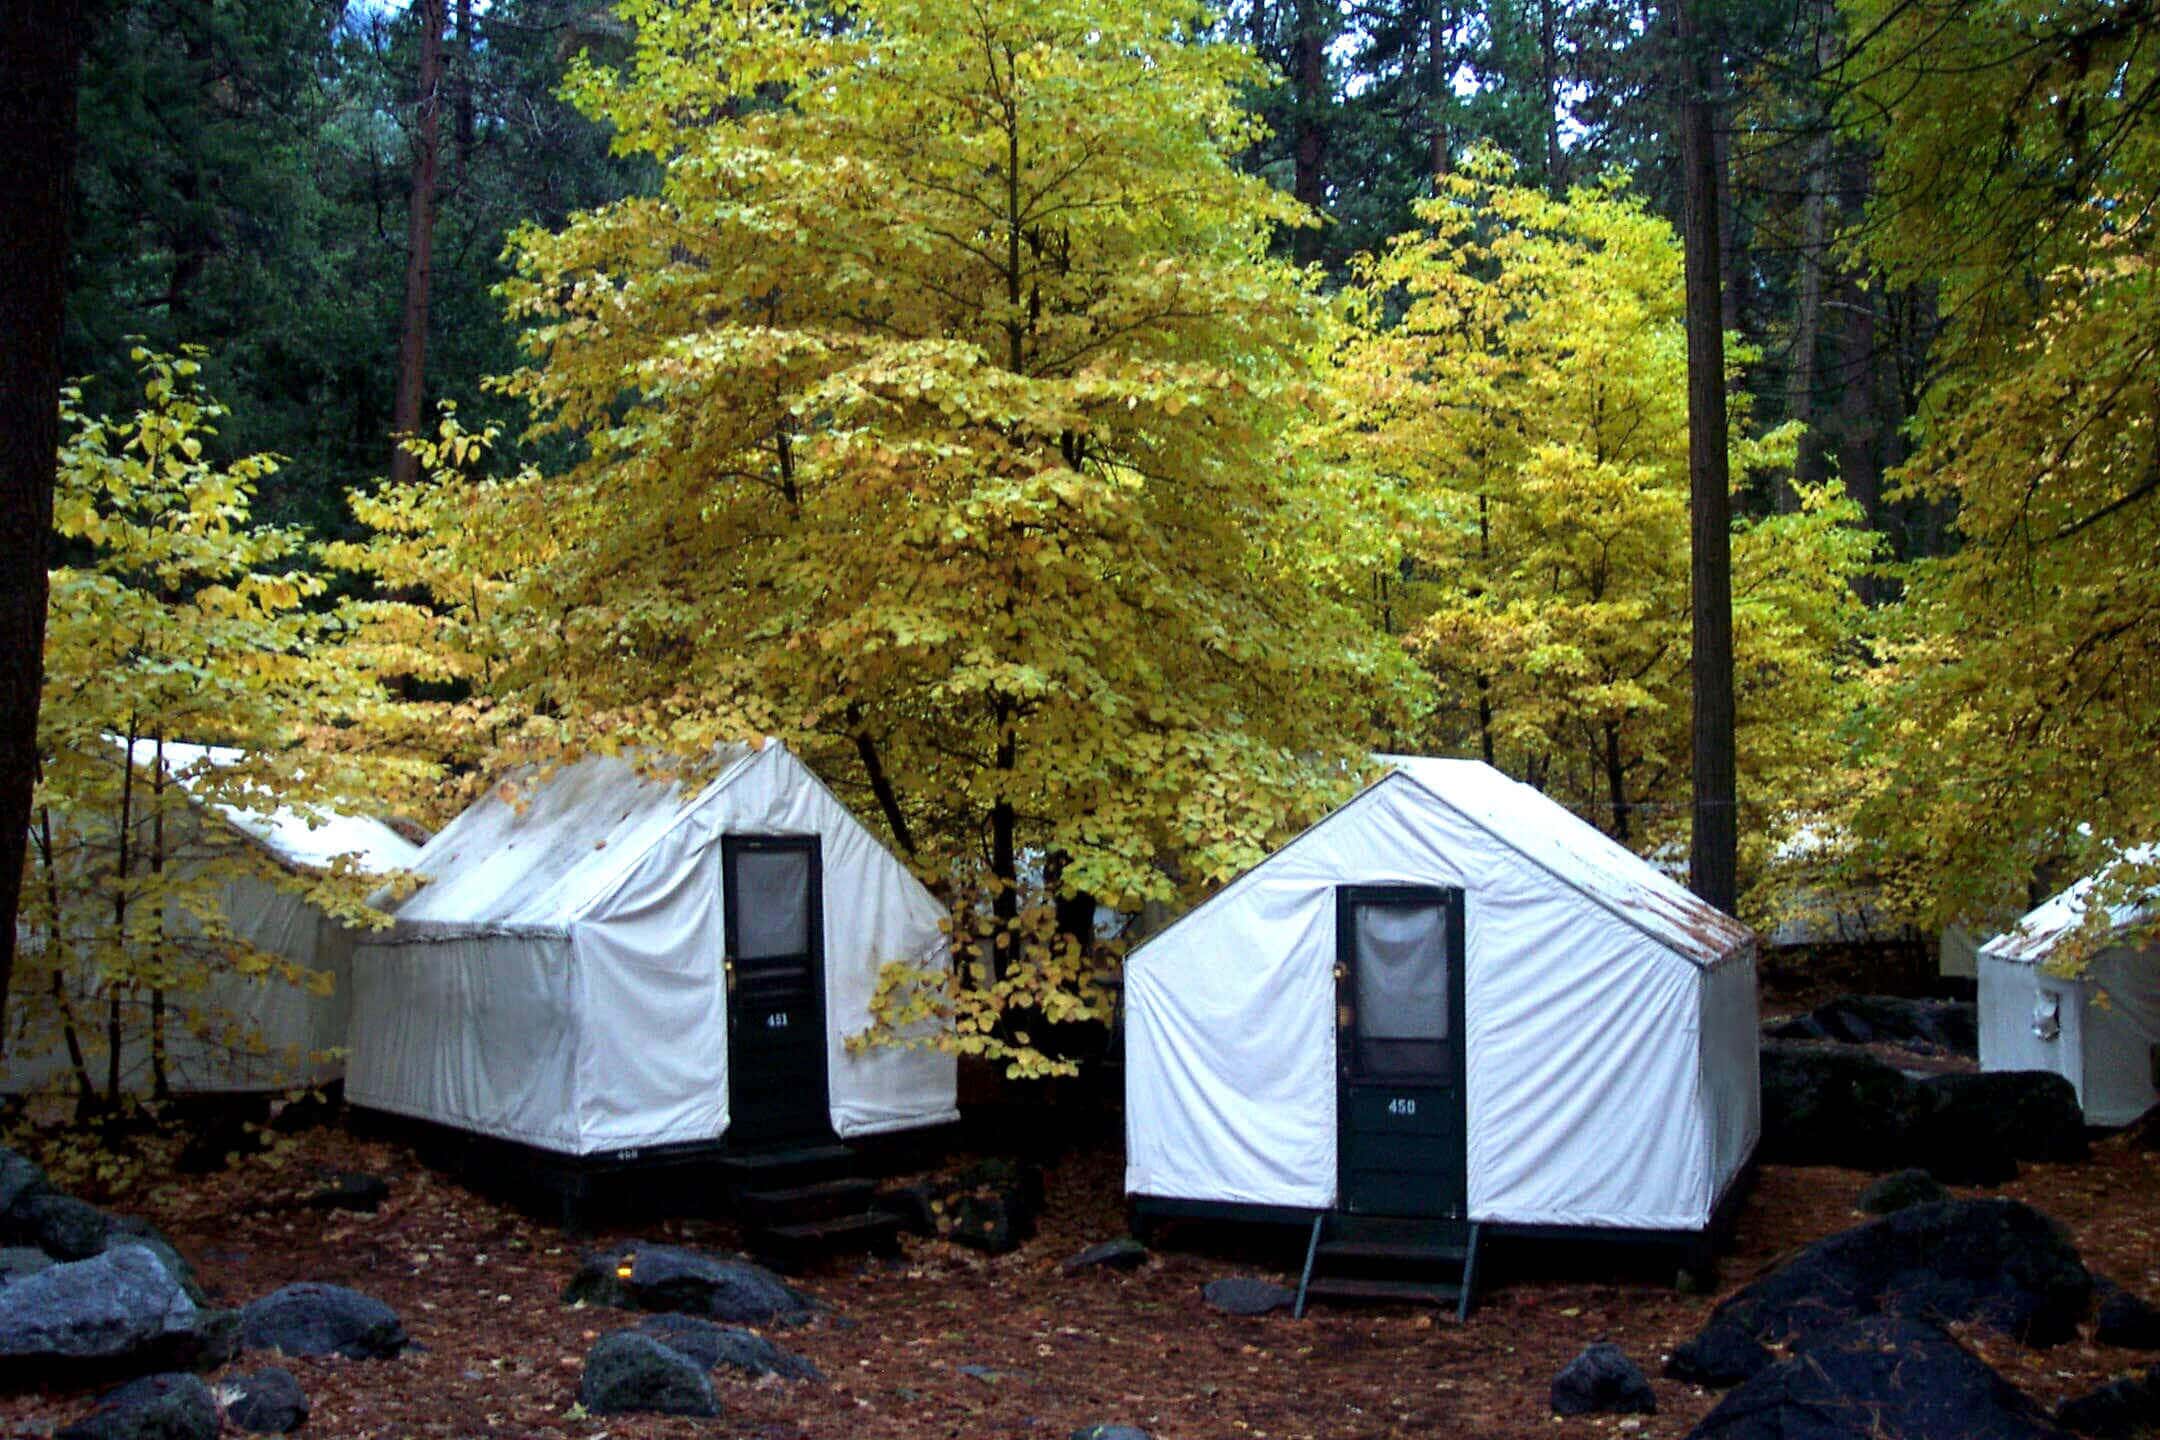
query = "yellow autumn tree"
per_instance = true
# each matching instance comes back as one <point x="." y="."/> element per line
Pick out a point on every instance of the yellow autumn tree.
<point x="174" y="620"/>
<point x="2016" y="729"/>
<point x="933" y="409"/>
<point x="1511" y="395"/>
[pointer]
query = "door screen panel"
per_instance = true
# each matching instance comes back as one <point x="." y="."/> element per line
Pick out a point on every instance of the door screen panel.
<point x="772" y="896"/>
<point x="1403" y="1012"/>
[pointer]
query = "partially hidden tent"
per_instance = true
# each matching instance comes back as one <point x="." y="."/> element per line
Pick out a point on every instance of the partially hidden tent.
<point x="1450" y="998"/>
<point x="605" y="959"/>
<point x="240" y="1034"/>
<point x="2099" y="1029"/>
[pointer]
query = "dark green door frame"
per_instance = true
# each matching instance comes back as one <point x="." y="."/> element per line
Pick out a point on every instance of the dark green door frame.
<point x="1402" y="1124"/>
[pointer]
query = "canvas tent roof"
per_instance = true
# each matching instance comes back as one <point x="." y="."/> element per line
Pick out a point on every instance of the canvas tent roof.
<point x="2034" y="937"/>
<point x="538" y="856"/>
<point x="308" y="841"/>
<point x="1551" y="836"/>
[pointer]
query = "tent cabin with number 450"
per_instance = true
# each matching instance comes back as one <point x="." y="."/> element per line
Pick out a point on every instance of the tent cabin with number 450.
<point x="1451" y="1010"/>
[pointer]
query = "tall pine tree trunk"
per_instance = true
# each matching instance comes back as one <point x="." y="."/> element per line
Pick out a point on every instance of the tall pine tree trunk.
<point x="1549" y="85"/>
<point x="419" y="239"/>
<point x="1714" y="865"/>
<point x="1308" y="81"/>
<point x="1803" y="375"/>
<point x="40" y="51"/>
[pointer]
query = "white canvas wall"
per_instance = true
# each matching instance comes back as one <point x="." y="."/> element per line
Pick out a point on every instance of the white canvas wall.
<point x="598" y="897"/>
<point x="1586" y="1074"/>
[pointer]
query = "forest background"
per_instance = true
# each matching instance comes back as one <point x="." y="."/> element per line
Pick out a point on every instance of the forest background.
<point x="1344" y="413"/>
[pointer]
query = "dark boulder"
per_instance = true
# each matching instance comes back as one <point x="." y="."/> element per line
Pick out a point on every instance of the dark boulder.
<point x="1111" y="1432"/>
<point x="1123" y="1253"/>
<point x="2000" y="1263"/>
<point x="1902" y="1191"/>
<point x="156" y="1407"/>
<point x="20" y="1261"/>
<point x="1602" y="1381"/>
<point x="2129" y="1321"/>
<point x="119" y="1313"/>
<point x="2124" y="1409"/>
<point x="1876" y="1378"/>
<point x="20" y="1178"/>
<point x="627" y="1372"/>
<point x="2022" y="1114"/>
<point x="350" y="1190"/>
<point x="266" y="1402"/>
<point x="715" y="1345"/>
<point x="60" y="1225"/>
<point x="1722" y="1356"/>
<point x="915" y="1206"/>
<point x="1949" y="1026"/>
<point x="128" y="1229"/>
<point x="313" y="1319"/>
<point x="637" y="1276"/>
<point x="995" y="1222"/>
<point x="1245" y="1295"/>
<point x="1822" y="1105"/>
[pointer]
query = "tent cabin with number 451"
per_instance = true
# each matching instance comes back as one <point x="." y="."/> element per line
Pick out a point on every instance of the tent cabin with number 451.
<point x="613" y="971"/>
<point x="1451" y="1010"/>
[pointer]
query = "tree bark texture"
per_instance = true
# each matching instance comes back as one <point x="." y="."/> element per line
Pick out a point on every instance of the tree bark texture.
<point x="1714" y="864"/>
<point x="405" y="417"/>
<point x="40" y="52"/>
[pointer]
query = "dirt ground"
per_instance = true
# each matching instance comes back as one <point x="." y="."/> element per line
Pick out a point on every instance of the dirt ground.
<point x="477" y="1284"/>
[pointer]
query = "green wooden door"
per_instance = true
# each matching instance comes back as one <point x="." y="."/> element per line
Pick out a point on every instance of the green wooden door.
<point x="772" y="894"/>
<point x="1399" y="1050"/>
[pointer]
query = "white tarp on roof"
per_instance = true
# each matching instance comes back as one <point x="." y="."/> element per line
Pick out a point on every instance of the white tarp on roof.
<point x="2099" y="1029"/>
<point x="559" y="979"/>
<point x="1609" y="1028"/>
<point x="251" y="1034"/>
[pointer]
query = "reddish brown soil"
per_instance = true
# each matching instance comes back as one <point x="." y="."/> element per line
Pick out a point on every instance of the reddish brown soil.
<point x="477" y="1283"/>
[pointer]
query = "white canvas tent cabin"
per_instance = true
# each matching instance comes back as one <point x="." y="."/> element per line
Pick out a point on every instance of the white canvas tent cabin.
<point x="1450" y="1009"/>
<point x="2100" y="1030"/>
<point x="608" y="968"/>
<point x="255" y="1035"/>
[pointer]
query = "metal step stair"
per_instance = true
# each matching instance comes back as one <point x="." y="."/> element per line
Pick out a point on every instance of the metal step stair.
<point x="803" y="1205"/>
<point x="1390" y="1258"/>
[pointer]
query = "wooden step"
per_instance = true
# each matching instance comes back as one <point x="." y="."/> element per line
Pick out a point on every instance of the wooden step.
<point x="783" y="1169"/>
<point x="1407" y="1252"/>
<point x="818" y="1200"/>
<point x="788" y="1247"/>
<point x="1339" y="1287"/>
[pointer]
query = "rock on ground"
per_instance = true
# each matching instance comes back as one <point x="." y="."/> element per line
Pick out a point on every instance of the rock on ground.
<point x="265" y="1402"/>
<point x="1722" y="1356"/>
<point x="1826" y="1106"/>
<point x="20" y="1178"/>
<point x="2000" y="1263"/>
<point x="351" y="1190"/>
<point x="2119" y="1410"/>
<point x="626" y="1372"/>
<point x="60" y="1225"/>
<point x="1946" y="1025"/>
<point x="21" y="1261"/>
<point x="2026" y="1114"/>
<point x="314" y="1319"/>
<point x="713" y="1345"/>
<point x="1602" y="1381"/>
<point x="1245" y="1295"/>
<point x="118" y="1313"/>
<point x="1111" y="1432"/>
<point x="1875" y="1378"/>
<point x="2129" y="1321"/>
<point x="156" y="1407"/>
<point x="1123" y="1253"/>
<point x="691" y="1282"/>
<point x="1902" y="1191"/>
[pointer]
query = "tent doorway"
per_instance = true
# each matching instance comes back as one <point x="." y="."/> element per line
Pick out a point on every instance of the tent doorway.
<point x="773" y="895"/>
<point x="1401" y="1130"/>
